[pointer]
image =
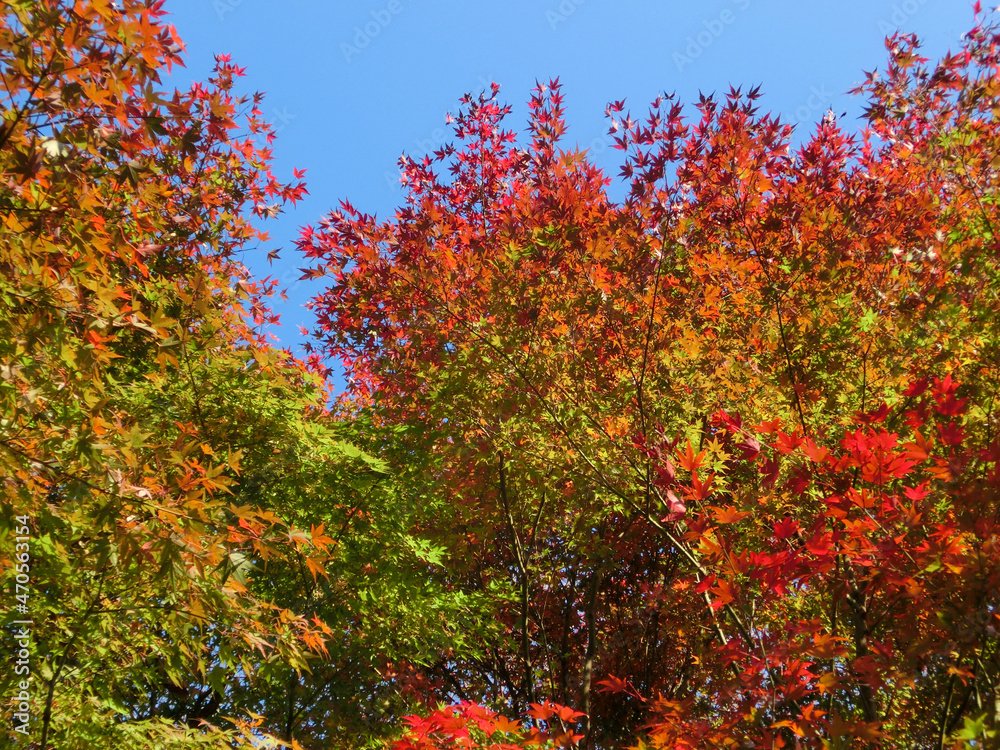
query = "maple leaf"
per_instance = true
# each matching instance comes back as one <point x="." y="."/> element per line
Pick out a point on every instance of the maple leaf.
<point x="729" y="514"/>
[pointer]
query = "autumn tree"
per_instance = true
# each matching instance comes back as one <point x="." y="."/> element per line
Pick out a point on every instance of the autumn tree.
<point x="204" y="540"/>
<point x="722" y="455"/>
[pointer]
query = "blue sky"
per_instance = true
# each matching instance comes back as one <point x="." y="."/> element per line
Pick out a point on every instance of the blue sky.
<point x="352" y="85"/>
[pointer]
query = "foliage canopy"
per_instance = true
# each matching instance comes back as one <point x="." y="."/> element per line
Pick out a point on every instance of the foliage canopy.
<point x="724" y="452"/>
<point x="206" y="548"/>
<point x="715" y="465"/>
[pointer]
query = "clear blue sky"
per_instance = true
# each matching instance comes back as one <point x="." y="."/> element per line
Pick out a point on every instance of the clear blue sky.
<point x="352" y="85"/>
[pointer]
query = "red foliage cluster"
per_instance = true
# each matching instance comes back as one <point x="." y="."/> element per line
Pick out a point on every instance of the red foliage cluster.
<point x="705" y="448"/>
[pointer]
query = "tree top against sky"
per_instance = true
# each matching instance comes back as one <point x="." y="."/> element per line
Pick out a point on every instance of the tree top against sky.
<point x="352" y="86"/>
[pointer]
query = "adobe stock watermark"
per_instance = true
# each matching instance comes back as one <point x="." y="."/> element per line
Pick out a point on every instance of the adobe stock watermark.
<point x="820" y="99"/>
<point x="562" y="12"/>
<point x="426" y="146"/>
<point x="439" y="136"/>
<point x="291" y="278"/>
<point x="365" y="33"/>
<point x="23" y="639"/>
<point x="280" y="119"/>
<point x="224" y="7"/>
<point x="712" y="29"/>
<point x="902" y="12"/>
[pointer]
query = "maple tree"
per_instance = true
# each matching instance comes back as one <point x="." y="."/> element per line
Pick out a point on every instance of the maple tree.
<point x="207" y="546"/>
<point x="711" y="466"/>
<point x="721" y="456"/>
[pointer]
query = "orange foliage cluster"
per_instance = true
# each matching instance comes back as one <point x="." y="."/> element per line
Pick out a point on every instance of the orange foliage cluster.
<point x="726" y="450"/>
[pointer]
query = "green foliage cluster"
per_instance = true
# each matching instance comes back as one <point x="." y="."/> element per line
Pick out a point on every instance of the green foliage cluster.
<point x="210" y="559"/>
